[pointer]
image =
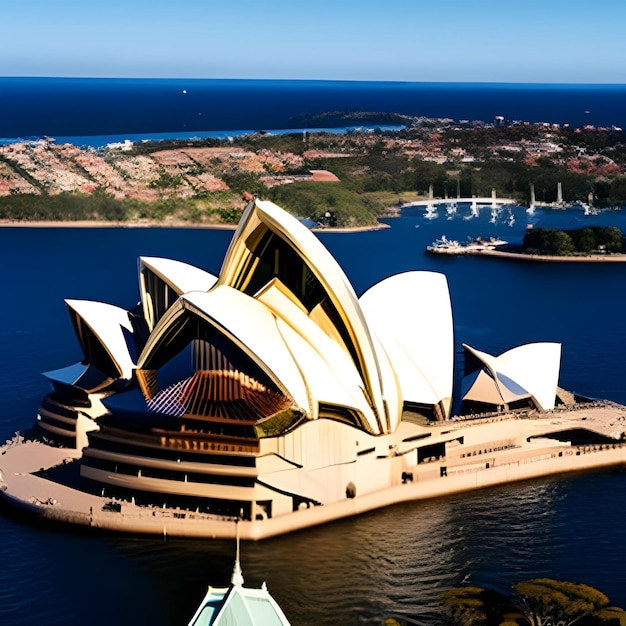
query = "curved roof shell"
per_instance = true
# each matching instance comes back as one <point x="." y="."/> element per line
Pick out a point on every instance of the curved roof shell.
<point x="300" y="360"/>
<point x="171" y="279"/>
<point x="103" y="329"/>
<point x="338" y="313"/>
<point x="284" y="315"/>
<point x="411" y="315"/>
<point x="530" y="370"/>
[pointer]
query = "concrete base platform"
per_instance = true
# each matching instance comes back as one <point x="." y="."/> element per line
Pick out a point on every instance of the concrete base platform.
<point x="44" y="481"/>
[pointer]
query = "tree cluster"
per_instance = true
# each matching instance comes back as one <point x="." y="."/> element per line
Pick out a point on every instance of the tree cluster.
<point x="590" y="240"/>
<point x="314" y="199"/>
<point x="537" y="602"/>
<point x="63" y="207"/>
<point x="99" y="206"/>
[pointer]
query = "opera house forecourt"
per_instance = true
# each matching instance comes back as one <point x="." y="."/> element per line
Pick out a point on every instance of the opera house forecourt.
<point x="273" y="394"/>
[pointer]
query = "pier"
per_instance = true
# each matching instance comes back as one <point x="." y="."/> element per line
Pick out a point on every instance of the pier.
<point x="474" y="202"/>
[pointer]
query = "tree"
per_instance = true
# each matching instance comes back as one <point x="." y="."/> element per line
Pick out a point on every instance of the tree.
<point x="465" y="606"/>
<point x="166" y="181"/>
<point x="610" y="237"/>
<point x="536" y="602"/>
<point x="548" y="241"/>
<point x="617" y="195"/>
<point x="584" y="240"/>
<point x="556" y="603"/>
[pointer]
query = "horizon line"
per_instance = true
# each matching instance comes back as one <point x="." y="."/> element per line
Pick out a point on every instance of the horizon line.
<point x="318" y="80"/>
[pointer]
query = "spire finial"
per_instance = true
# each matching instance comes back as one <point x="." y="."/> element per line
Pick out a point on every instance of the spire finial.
<point x="237" y="577"/>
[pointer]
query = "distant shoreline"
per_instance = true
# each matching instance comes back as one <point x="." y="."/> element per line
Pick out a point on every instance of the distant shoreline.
<point x="105" y="224"/>
<point x="154" y="224"/>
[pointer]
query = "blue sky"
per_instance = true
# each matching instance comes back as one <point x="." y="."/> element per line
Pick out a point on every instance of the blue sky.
<point x="407" y="40"/>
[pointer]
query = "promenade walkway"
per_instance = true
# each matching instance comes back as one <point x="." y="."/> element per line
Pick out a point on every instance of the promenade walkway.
<point x="511" y="448"/>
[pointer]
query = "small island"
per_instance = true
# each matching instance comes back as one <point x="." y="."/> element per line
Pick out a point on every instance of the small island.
<point x="594" y="243"/>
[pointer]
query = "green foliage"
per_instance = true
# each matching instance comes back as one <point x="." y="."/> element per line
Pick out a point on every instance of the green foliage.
<point x="229" y="216"/>
<point x="290" y="142"/>
<point x="95" y="207"/>
<point x="584" y="240"/>
<point x="313" y="199"/>
<point x="610" y="237"/>
<point x="549" y="241"/>
<point x="148" y="147"/>
<point x="535" y="602"/>
<point x="617" y="194"/>
<point x="559" y="601"/>
<point x="62" y="207"/>
<point x="166" y="181"/>
<point x="241" y="182"/>
<point x="155" y="211"/>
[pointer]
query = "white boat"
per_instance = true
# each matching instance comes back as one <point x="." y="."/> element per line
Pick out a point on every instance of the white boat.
<point x="431" y="212"/>
<point x="237" y="605"/>
<point x="451" y="246"/>
<point x="588" y="209"/>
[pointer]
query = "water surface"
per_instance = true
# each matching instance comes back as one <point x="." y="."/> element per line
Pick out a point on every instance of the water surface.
<point x="357" y="571"/>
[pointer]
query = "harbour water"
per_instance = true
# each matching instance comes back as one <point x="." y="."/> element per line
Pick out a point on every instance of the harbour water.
<point x="88" y="111"/>
<point x="395" y="561"/>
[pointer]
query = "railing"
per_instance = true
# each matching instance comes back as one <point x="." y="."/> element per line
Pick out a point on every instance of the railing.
<point x="575" y="451"/>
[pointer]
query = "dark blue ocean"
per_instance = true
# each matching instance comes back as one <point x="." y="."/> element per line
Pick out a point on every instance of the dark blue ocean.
<point x="99" y="111"/>
<point x="395" y="561"/>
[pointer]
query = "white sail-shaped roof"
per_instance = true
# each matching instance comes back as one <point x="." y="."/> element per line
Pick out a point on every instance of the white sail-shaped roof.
<point x="253" y="328"/>
<point x="411" y="315"/>
<point x="329" y="373"/>
<point x="182" y="277"/>
<point x="172" y="275"/>
<point x="530" y="370"/>
<point x="283" y="309"/>
<point x="110" y="327"/>
<point x="242" y="267"/>
<point x="306" y="364"/>
<point x="485" y="389"/>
